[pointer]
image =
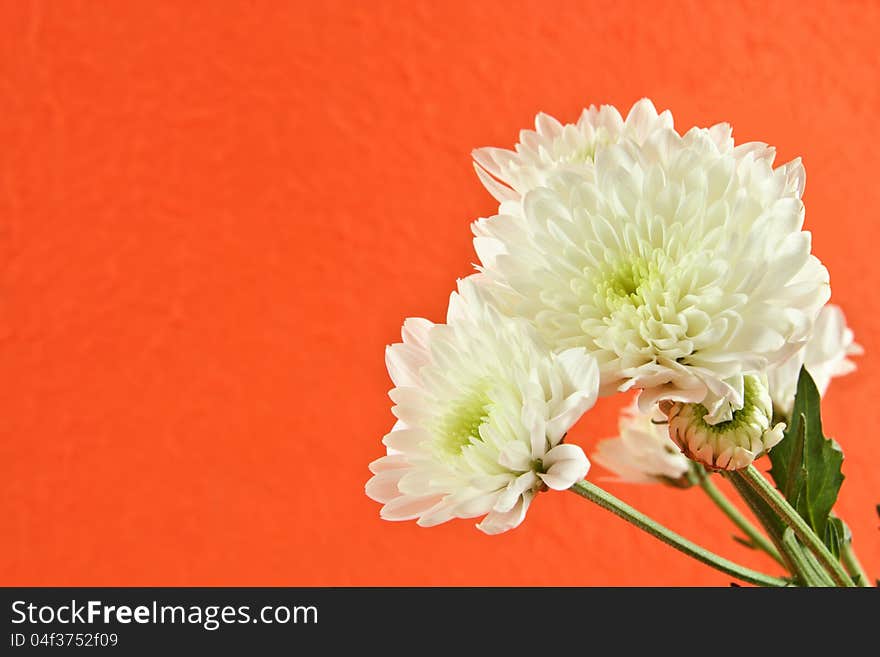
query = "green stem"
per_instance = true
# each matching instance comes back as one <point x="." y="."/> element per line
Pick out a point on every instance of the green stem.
<point x="793" y="519"/>
<point x="608" y="502"/>
<point x="853" y="565"/>
<point x="772" y="524"/>
<point x="738" y="519"/>
<point x="797" y="560"/>
<point x="808" y="569"/>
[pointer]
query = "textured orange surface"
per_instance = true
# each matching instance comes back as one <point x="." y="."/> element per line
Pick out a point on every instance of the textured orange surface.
<point x="213" y="217"/>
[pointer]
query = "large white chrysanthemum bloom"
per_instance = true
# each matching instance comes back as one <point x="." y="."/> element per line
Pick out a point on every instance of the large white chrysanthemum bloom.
<point x="825" y="356"/>
<point x="482" y="407"/>
<point x="680" y="263"/>
<point x="552" y="146"/>
<point x="729" y="445"/>
<point x="643" y="452"/>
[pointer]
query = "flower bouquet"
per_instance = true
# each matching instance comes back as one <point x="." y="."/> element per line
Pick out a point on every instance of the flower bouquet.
<point x="626" y="256"/>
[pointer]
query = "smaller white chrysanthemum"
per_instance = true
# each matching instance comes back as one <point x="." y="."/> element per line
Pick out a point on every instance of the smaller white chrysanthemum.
<point x="730" y="445"/>
<point x="825" y="356"/>
<point x="643" y="453"/>
<point x="482" y="407"/>
<point x="552" y="146"/>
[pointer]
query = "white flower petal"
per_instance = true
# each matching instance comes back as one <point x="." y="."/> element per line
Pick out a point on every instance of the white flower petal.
<point x="565" y="465"/>
<point x="582" y="377"/>
<point x="515" y="456"/>
<point x="403" y="362"/>
<point x="382" y="487"/>
<point x="643" y="452"/>
<point x="408" y="507"/>
<point x="498" y="522"/>
<point x="825" y="355"/>
<point x="641" y="120"/>
<point x="496" y="189"/>
<point x="514" y="492"/>
<point x="415" y="332"/>
<point x="405" y="440"/>
<point x="390" y="462"/>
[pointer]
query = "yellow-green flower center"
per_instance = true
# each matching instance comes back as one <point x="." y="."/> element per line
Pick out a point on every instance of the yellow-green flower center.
<point x="461" y="427"/>
<point x="625" y="282"/>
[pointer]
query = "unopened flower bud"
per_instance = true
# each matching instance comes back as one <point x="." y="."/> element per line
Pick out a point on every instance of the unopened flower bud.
<point x="729" y="445"/>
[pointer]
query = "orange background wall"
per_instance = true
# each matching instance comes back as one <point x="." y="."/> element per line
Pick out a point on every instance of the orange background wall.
<point x="214" y="215"/>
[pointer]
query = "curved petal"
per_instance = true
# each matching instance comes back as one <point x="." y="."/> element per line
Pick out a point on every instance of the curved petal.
<point x="497" y="522"/>
<point x="565" y="465"/>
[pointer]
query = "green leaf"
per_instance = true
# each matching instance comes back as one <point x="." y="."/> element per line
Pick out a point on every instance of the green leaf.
<point x="806" y="464"/>
<point x="835" y="535"/>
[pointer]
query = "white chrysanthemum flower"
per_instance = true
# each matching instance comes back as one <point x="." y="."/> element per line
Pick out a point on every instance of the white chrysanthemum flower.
<point x="680" y="264"/>
<point x="824" y="356"/>
<point x="482" y="407"/>
<point x="552" y="146"/>
<point x="643" y="452"/>
<point x="729" y="445"/>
